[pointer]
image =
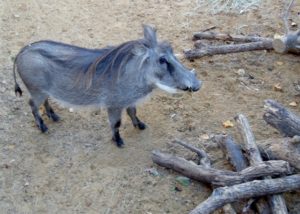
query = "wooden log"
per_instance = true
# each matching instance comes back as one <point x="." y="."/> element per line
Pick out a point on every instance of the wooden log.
<point x="282" y="119"/>
<point x="224" y="195"/>
<point x="225" y="49"/>
<point x="287" y="149"/>
<point x="276" y="202"/>
<point x="232" y="150"/>
<point x="204" y="159"/>
<point x="228" y="37"/>
<point x="248" y="139"/>
<point x="216" y="176"/>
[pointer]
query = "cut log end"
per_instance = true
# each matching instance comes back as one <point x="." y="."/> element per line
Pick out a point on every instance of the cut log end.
<point x="279" y="45"/>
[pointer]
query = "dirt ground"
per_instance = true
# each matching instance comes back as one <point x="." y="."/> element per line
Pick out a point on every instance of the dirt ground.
<point x="75" y="168"/>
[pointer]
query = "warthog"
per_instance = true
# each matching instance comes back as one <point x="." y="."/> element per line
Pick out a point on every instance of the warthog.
<point x="114" y="77"/>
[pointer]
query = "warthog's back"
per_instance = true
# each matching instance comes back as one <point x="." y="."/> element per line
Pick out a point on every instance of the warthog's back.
<point x="57" y="69"/>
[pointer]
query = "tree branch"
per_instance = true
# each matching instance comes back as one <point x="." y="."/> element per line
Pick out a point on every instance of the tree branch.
<point x="224" y="195"/>
<point x="216" y="176"/>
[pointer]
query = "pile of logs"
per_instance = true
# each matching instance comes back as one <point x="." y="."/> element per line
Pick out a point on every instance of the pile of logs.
<point x="287" y="43"/>
<point x="267" y="168"/>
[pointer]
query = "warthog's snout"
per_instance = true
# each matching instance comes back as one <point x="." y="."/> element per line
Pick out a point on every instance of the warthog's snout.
<point x="189" y="82"/>
<point x="194" y="88"/>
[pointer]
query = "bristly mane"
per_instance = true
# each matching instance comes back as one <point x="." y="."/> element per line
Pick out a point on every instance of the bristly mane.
<point x="110" y="63"/>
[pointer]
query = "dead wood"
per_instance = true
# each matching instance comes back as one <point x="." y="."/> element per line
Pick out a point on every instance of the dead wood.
<point x="216" y="176"/>
<point x="232" y="150"/>
<point x="282" y="119"/>
<point x="229" y="37"/>
<point x="224" y="195"/>
<point x="287" y="149"/>
<point x="204" y="159"/>
<point x="209" y="50"/>
<point x="276" y="202"/>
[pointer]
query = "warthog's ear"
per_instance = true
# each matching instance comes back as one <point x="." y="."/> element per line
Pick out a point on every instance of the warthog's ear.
<point x="150" y="35"/>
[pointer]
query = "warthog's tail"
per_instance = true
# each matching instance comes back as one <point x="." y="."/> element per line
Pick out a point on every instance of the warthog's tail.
<point x="18" y="90"/>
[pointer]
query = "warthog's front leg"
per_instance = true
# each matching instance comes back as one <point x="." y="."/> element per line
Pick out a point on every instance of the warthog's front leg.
<point x="131" y="111"/>
<point x="114" y="115"/>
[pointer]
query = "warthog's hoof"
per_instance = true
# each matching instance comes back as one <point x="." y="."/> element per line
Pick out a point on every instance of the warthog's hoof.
<point x="55" y="117"/>
<point x="141" y="126"/>
<point x="42" y="127"/>
<point x="119" y="142"/>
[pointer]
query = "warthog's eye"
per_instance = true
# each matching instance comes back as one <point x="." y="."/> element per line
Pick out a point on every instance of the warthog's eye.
<point x="162" y="60"/>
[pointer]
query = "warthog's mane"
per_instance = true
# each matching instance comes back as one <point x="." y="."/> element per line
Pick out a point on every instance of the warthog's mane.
<point x="112" y="62"/>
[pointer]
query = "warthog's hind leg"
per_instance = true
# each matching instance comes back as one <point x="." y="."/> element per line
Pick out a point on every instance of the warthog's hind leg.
<point x="38" y="120"/>
<point x="131" y="111"/>
<point x="50" y="113"/>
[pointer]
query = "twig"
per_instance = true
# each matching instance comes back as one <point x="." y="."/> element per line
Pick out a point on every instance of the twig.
<point x="224" y="195"/>
<point x="204" y="159"/>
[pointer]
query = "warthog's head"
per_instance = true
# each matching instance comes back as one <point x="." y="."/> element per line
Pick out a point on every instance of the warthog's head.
<point x="162" y="68"/>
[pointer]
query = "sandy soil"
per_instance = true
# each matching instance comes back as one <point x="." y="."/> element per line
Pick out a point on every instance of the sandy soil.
<point x="75" y="168"/>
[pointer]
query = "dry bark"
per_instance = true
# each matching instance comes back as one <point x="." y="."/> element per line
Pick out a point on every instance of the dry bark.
<point x="282" y="119"/>
<point x="287" y="149"/>
<point x="216" y="176"/>
<point x="224" y="195"/>
<point x="276" y="202"/>
<point x="209" y="50"/>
